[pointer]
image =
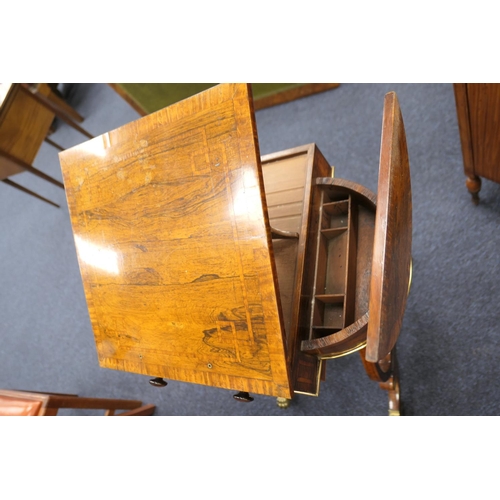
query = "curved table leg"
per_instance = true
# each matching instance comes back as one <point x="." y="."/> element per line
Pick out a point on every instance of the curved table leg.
<point x="392" y="387"/>
<point x="386" y="373"/>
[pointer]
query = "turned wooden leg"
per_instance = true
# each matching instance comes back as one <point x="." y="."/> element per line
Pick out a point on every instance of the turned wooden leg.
<point x="473" y="184"/>
<point x="31" y="169"/>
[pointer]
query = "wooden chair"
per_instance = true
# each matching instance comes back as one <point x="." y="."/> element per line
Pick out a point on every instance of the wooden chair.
<point x="36" y="404"/>
<point x="203" y="262"/>
<point x="27" y="112"/>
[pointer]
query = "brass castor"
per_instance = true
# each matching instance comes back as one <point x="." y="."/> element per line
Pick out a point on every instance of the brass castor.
<point x="283" y="402"/>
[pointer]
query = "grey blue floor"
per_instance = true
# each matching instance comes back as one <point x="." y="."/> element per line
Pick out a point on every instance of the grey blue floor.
<point x="449" y="348"/>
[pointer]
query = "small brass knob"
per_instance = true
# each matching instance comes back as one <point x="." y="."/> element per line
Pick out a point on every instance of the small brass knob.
<point x="158" y="382"/>
<point x="244" y="397"/>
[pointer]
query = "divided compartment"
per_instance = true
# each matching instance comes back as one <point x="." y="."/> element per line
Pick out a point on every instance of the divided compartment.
<point x="332" y="309"/>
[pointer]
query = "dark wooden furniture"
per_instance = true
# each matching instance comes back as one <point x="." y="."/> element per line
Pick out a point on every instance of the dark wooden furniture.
<point x="478" y="112"/>
<point x="27" y="112"/>
<point x="36" y="404"/>
<point x="205" y="263"/>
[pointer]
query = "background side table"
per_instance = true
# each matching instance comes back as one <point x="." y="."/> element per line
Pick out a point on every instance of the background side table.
<point x="478" y="112"/>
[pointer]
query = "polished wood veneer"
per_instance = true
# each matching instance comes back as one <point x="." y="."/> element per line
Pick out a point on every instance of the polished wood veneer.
<point x="174" y="249"/>
<point x="205" y="263"/>
<point x="27" y="112"/>
<point x="478" y="112"/>
<point x="24" y="124"/>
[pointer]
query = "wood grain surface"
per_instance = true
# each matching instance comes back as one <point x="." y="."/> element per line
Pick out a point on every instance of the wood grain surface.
<point x="478" y="113"/>
<point x="23" y="403"/>
<point x="484" y="113"/>
<point x="462" y="105"/>
<point x="292" y="199"/>
<point x="339" y="309"/>
<point x="174" y="246"/>
<point x="393" y="235"/>
<point x="24" y="124"/>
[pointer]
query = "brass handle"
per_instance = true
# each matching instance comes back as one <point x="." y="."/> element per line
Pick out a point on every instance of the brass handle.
<point x="158" y="382"/>
<point x="244" y="397"/>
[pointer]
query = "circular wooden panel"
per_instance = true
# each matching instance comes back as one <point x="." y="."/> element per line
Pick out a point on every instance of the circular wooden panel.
<point x="393" y="234"/>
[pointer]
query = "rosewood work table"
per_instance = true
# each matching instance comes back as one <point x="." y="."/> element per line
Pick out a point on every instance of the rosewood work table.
<point x="205" y="263"/>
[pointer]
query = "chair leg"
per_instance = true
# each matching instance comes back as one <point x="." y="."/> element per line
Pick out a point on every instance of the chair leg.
<point x="57" y="401"/>
<point x="57" y="111"/>
<point x="49" y="412"/>
<point x="62" y="106"/>
<point x="28" y="191"/>
<point x="52" y="402"/>
<point x="31" y="169"/>
<point x="52" y="143"/>
<point x="143" y="410"/>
